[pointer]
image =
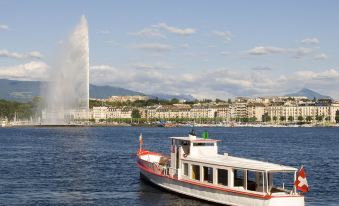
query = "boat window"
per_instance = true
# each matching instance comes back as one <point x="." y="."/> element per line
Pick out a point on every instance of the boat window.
<point x="208" y="174"/>
<point x="238" y="178"/>
<point x="223" y="177"/>
<point x="251" y="180"/>
<point x="196" y="172"/>
<point x="186" y="169"/>
<point x="203" y="144"/>
<point x="185" y="143"/>
<point x="280" y="182"/>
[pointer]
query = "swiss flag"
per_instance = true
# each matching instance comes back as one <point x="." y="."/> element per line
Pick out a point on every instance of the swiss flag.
<point x="301" y="181"/>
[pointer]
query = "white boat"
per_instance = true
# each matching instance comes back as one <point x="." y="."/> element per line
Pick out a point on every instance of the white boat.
<point x="195" y="169"/>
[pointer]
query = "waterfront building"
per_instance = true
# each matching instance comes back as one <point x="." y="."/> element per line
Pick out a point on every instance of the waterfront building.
<point x="256" y="110"/>
<point x="127" y="98"/>
<point x="99" y="113"/>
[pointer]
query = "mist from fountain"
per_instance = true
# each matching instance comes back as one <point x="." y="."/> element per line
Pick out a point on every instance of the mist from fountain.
<point x="67" y="94"/>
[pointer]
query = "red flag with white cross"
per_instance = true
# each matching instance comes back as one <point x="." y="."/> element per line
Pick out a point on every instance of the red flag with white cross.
<point x="301" y="181"/>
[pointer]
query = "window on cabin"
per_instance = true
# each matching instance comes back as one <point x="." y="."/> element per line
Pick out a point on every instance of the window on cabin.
<point x="208" y="174"/>
<point x="238" y="178"/>
<point x="186" y="169"/>
<point x="252" y="176"/>
<point x="203" y="144"/>
<point x="196" y="172"/>
<point x="223" y="177"/>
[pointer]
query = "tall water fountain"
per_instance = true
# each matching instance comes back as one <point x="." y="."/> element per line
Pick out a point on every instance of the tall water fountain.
<point x="67" y="94"/>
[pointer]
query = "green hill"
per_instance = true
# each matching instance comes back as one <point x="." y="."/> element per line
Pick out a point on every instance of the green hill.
<point x="24" y="91"/>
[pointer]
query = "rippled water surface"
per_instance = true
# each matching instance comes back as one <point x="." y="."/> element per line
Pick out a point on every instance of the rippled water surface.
<point x="96" y="166"/>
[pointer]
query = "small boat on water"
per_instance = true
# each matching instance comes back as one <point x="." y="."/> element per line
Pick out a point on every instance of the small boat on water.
<point x="194" y="168"/>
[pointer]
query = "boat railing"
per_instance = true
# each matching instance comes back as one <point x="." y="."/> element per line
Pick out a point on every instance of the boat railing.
<point x="173" y="172"/>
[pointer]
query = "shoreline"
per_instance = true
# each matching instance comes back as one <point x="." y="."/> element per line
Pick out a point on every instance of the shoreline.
<point x="176" y="125"/>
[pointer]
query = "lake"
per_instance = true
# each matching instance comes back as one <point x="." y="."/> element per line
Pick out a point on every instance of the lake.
<point x="96" y="165"/>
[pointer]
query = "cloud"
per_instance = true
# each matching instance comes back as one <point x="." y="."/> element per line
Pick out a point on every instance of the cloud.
<point x="153" y="47"/>
<point x="262" y="68"/>
<point x="218" y="83"/>
<point x="226" y="35"/>
<point x="269" y="50"/>
<point x="150" y="66"/>
<point x="101" y="67"/>
<point x="149" y="33"/>
<point x="225" y="53"/>
<point x="159" y="30"/>
<point x="35" y="70"/>
<point x="15" y="55"/>
<point x="4" y="27"/>
<point x="321" y="56"/>
<point x="310" y="41"/>
<point x="175" y="30"/>
<point x="265" y="50"/>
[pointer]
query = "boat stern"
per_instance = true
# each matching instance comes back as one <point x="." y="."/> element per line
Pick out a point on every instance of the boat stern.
<point x="290" y="201"/>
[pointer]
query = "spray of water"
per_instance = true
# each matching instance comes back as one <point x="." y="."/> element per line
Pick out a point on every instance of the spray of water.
<point x="67" y="96"/>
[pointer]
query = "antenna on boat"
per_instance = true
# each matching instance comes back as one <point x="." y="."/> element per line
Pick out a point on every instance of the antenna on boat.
<point x="140" y="142"/>
<point x="192" y="133"/>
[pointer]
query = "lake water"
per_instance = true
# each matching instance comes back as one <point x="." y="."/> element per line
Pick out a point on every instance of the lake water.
<point x="96" y="166"/>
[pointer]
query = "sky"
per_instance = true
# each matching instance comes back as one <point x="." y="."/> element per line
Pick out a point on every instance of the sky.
<point x="209" y="49"/>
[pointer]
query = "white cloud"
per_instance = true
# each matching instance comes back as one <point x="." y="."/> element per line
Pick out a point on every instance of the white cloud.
<point x="154" y="47"/>
<point x="150" y="66"/>
<point x="225" y="53"/>
<point x="159" y="30"/>
<point x="226" y="35"/>
<point x="101" y="67"/>
<point x="220" y="83"/>
<point x="310" y="41"/>
<point x="321" y="56"/>
<point x="262" y="68"/>
<point x="265" y="50"/>
<point x="4" y="27"/>
<point x="175" y="30"/>
<point x="149" y="33"/>
<point x="268" y="50"/>
<point x="35" y="70"/>
<point x="15" y="55"/>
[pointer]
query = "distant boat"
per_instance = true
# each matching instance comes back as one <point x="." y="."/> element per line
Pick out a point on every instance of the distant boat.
<point x="195" y="169"/>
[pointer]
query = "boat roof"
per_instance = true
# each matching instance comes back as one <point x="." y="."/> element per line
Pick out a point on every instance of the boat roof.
<point x="243" y="163"/>
<point x="195" y="139"/>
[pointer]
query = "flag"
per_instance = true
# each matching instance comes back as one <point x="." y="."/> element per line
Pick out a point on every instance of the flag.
<point x="301" y="181"/>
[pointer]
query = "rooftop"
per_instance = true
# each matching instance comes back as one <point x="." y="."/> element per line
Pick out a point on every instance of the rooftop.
<point x="237" y="162"/>
<point x="195" y="139"/>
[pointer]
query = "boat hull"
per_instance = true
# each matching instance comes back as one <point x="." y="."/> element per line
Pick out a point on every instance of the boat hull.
<point x="218" y="196"/>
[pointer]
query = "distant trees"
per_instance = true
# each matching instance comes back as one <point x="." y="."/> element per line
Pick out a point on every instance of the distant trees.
<point x="174" y="101"/>
<point x="319" y="118"/>
<point x="300" y="118"/>
<point x="252" y="119"/>
<point x="309" y="118"/>
<point x="282" y="118"/>
<point x="290" y="118"/>
<point x="266" y="118"/>
<point x="337" y="118"/>
<point x="219" y="100"/>
<point x="275" y="118"/>
<point x="136" y="114"/>
<point x="10" y="109"/>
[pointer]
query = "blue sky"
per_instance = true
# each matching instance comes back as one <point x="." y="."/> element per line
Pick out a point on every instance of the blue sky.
<point x="205" y="48"/>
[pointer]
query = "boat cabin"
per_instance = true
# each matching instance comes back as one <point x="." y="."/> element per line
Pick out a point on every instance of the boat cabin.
<point x="196" y="160"/>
